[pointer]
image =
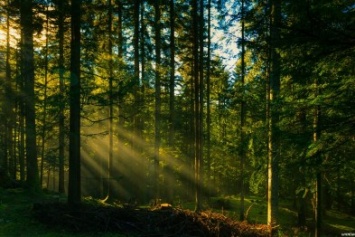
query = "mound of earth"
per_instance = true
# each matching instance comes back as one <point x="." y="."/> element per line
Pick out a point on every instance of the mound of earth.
<point x="143" y="221"/>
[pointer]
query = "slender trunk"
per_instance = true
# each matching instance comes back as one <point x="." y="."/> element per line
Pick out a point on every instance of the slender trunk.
<point x="136" y="44"/>
<point x="352" y="196"/>
<point x="190" y="143"/>
<point x="7" y="107"/>
<point x="61" y="158"/>
<point x="142" y="57"/>
<point x="273" y="117"/>
<point x="157" y="98"/>
<point x="136" y="80"/>
<point x="318" y="195"/>
<point x="201" y="28"/>
<point x="74" y="188"/>
<point x="242" y="121"/>
<point x="20" y="130"/>
<point x="44" y="119"/>
<point x="120" y="63"/>
<point x="27" y="74"/>
<point x="172" y="74"/>
<point x="48" y="177"/>
<point x="301" y="198"/>
<point x="208" y="101"/>
<point x="197" y="104"/>
<point x="21" y="142"/>
<point x="338" y="192"/>
<point x="319" y="206"/>
<point x="120" y="31"/>
<point x="110" y="158"/>
<point x="136" y="93"/>
<point x="54" y="177"/>
<point x="171" y="94"/>
<point x="142" y="82"/>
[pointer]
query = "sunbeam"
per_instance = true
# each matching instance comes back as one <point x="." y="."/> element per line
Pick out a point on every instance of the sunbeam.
<point x="131" y="176"/>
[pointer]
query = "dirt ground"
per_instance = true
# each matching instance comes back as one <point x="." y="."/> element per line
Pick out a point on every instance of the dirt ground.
<point x="161" y="221"/>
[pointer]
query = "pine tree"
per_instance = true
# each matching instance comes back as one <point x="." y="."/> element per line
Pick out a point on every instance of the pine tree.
<point x="74" y="189"/>
<point x="27" y="74"/>
<point x="273" y="115"/>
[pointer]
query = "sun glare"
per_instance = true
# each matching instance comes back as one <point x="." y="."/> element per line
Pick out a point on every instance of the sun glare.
<point x="14" y="37"/>
<point x="2" y="36"/>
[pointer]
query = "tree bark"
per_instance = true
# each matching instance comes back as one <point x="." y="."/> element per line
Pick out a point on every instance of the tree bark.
<point x="136" y="83"/>
<point x="201" y="28"/>
<point x="242" y="121"/>
<point x="44" y="119"/>
<point x="61" y="7"/>
<point x="8" y="106"/>
<point x="172" y="74"/>
<point x="110" y="72"/>
<point x="273" y="116"/>
<point x="157" y="97"/>
<point x="172" y="114"/>
<point x="318" y="216"/>
<point x="208" y="101"/>
<point x="27" y="74"/>
<point x="74" y="189"/>
<point x="197" y="104"/>
<point x="120" y="31"/>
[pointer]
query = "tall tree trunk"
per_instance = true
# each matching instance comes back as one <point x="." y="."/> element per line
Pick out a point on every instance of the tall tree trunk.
<point x="157" y="98"/>
<point x="27" y="74"/>
<point x="120" y="60"/>
<point x="352" y="202"/>
<point x="74" y="188"/>
<point x="201" y="28"/>
<point x="190" y="132"/>
<point x="302" y="208"/>
<point x="44" y="119"/>
<point x="142" y="58"/>
<point x="273" y="116"/>
<point x="171" y="94"/>
<point x="120" y="31"/>
<point x="318" y="194"/>
<point x="136" y="45"/>
<point x="20" y="107"/>
<point x="21" y="141"/>
<point x="110" y="72"/>
<point x="136" y="93"/>
<point x="242" y="120"/>
<point x="61" y="7"/>
<point x="208" y="102"/>
<point x="197" y="104"/>
<point x="172" y="74"/>
<point x="7" y="107"/>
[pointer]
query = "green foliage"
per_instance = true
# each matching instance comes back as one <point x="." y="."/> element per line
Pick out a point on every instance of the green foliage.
<point x="316" y="50"/>
<point x="220" y="203"/>
<point x="16" y="217"/>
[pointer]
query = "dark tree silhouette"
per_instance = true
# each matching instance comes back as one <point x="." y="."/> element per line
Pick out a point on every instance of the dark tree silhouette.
<point x="27" y="74"/>
<point x="74" y="189"/>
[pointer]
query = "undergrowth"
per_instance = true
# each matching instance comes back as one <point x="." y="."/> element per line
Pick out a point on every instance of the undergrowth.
<point x="16" y="216"/>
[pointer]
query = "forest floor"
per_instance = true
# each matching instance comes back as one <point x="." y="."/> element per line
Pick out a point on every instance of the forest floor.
<point x="23" y="214"/>
<point x="335" y="223"/>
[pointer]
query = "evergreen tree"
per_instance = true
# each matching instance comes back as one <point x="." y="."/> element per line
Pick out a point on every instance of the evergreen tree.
<point x="74" y="189"/>
<point x="273" y="114"/>
<point x="28" y="78"/>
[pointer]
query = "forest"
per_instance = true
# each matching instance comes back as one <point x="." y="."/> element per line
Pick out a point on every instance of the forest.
<point x="224" y="105"/>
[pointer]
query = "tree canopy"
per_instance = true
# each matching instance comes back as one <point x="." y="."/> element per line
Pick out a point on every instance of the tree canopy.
<point x="132" y="99"/>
